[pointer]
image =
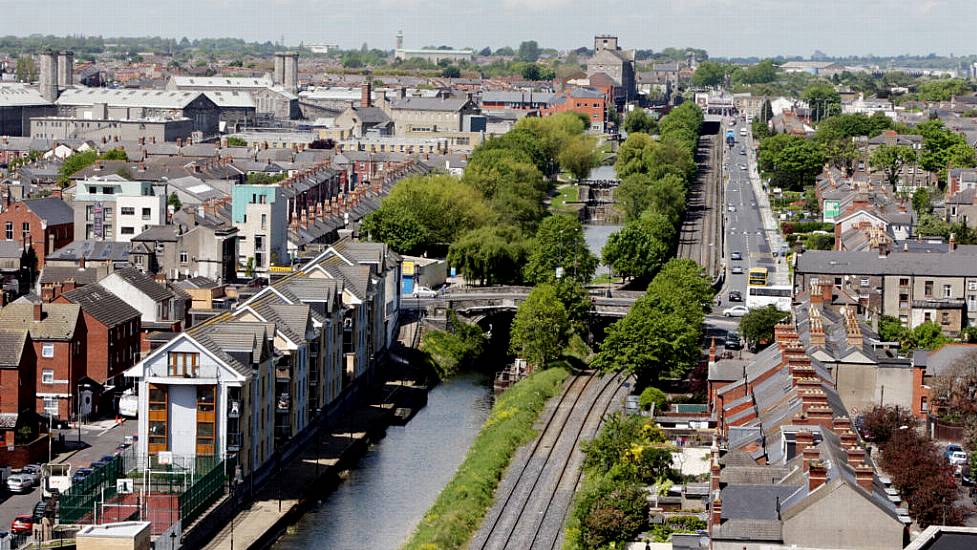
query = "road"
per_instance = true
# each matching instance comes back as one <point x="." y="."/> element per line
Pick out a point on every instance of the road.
<point x="98" y="440"/>
<point x="535" y="494"/>
<point x="745" y="229"/>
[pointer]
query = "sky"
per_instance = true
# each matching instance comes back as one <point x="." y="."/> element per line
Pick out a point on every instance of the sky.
<point x="725" y="28"/>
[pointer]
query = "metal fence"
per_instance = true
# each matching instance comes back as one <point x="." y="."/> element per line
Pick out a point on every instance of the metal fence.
<point x="178" y="489"/>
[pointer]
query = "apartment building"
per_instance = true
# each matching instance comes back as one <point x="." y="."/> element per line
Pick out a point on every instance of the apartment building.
<point x="112" y="208"/>
<point x="260" y="212"/>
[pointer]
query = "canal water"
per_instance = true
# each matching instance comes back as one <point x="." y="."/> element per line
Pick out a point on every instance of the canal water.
<point x="596" y="237"/>
<point x="398" y="479"/>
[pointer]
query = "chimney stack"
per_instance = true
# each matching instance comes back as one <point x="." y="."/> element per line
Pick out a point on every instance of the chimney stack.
<point x="38" y="312"/>
<point x="717" y="511"/>
<point x="48" y="76"/>
<point x="864" y="476"/>
<point x="817" y="474"/>
<point x="366" y="94"/>
<point x="66" y="64"/>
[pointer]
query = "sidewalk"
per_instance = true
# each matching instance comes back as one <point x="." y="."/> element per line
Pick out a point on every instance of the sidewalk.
<point x="779" y="274"/>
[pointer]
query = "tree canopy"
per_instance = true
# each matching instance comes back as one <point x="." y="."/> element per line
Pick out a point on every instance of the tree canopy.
<point x="559" y="243"/>
<point x="890" y="159"/>
<point x="790" y="161"/>
<point x="541" y="326"/>
<point x="757" y="325"/>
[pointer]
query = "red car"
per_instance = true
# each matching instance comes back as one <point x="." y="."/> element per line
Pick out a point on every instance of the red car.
<point x="22" y="525"/>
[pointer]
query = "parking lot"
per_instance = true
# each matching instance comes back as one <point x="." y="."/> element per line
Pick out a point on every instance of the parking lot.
<point x="97" y="440"/>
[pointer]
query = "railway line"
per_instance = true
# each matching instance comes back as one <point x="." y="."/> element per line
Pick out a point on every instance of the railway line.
<point x="534" y="497"/>
<point x="700" y="237"/>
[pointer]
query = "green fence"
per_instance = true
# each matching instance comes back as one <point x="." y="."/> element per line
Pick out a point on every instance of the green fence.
<point x="78" y="503"/>
<point x="205" y="491"/>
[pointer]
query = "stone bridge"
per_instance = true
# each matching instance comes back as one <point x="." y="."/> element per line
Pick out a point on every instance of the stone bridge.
<point x="477" y="302"/>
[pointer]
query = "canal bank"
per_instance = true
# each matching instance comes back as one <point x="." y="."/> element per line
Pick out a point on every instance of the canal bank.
<point x="254" y="518"/>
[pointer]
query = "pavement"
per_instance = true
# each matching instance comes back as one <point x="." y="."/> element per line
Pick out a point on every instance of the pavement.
<point x="97" y="440"/>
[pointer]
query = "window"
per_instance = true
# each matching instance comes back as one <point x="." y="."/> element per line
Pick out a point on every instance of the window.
<point x="158" y="417"/>
<point x="264" y="221"/>
<point x="25" y="230"/>
<point x="205" y="419"/>
<point x="928" y="288"/>
<point x="147" y="213"/>
<point x="51" y="405"/>
<point x="947" y="291"/>
<point x="184" y="257"/>
<point x="863" y="282"/>
<point x="47" y="376"/>
<point x="945" y="318"/>
<point x="47" y="351"/>
<point x="924" y="404"/>
<point x="128" y="211"/>
<point x="972" y="285"/>
<point x="9" y="235"/>
<point x="128" y="230"/>
<point x="903" y="282"/>
<point x="927" y="317"/>
<point x="183" y="363"/>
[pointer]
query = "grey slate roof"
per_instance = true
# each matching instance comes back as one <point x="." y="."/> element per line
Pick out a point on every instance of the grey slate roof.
<point x="10" y="249"/>
<point x="58" y="274"/>
<point x="896" y="263"/>
<point x="53" y="211"/>
<point x="145" y="284"/>
<point x="940" y="361"/>
<point x="113" y="251"/>
<point x="107" y="308"/>
<point x="165" y="233"/>
<point x="441" y="104"/>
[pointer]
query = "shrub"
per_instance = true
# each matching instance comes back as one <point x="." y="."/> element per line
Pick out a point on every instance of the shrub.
<point x="652" y="396"/>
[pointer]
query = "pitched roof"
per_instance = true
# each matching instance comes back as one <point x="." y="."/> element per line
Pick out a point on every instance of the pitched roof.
<point x="58" y="274"/>
<point x="58" y="321"/>
<point x="160" y="99"/>
<point x="443" y="104"/>
<point x="113" y="251"/>
<point x="896" y="263"/>
<point x="11" y="347"/>
<point x="107" y="308"/>
<point x="144" y="283"/>
<point x="53" y="211"/>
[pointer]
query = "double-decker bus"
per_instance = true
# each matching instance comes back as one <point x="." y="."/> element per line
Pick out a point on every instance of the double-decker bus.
<point x="779" y="296"/>
<point x="757" y="276"/>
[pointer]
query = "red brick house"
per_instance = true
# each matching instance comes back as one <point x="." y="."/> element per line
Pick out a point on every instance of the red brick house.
<point x="45" y="224"/>
<point x="112" y="328"/>
<point x="587" y="101"/>
<point x="17" y="383"/>
<point x="59" y="340"/>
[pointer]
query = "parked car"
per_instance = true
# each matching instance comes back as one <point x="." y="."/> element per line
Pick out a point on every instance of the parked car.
<point x="736" y="255"/>
<point x="950" y="449"/>
<point x="80" y="474"/>
<point x="732" y="209"/>
<point x="966" y="478"/>
<point x="733" y="340"/>
<point x="737" y="270"/>
<point x="22" y="525"/>
<point x="735" y="311"/>
<point x="957" y="458"/>
<point x="424" y="292"/>
<point x="102" y="461"/>
<point x="34" y="469"/>
<point x="20" y="483"/>
<point x="735" y="296"/>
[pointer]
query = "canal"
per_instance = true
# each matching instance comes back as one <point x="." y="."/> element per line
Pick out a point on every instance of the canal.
<point x="397" y="480"/>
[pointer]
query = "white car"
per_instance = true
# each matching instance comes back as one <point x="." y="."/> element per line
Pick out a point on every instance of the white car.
<point x="737" y="270"/>
<point x="958" y="458"/>
<point x="20" y="483"/>
<point x="735" y="311"/>
<point x="424" y="292"/>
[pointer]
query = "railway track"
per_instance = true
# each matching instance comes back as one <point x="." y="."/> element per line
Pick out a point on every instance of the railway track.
<point x="533" y="499"/>
<point x="700" y="237"/>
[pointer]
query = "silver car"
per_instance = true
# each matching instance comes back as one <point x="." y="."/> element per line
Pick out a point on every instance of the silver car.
<point x="20" y="483"/>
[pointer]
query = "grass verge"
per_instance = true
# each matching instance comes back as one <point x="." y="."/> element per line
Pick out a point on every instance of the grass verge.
<point x="457" y="513"/>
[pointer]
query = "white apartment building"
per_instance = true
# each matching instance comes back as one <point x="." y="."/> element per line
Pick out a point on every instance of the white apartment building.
<point x="112" y="208"/>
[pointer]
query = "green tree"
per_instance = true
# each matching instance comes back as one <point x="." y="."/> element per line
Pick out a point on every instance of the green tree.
<point x="235" y="141"/>
<point x="26" y="70"/>
<point x="922" y="203"/>
<point x="579" y="156"/>
<point x="757" y="325"/>
<point x="652" y="396"/>
<point x="174" y="201"/>
<point x="541" y="327"/>
<point x="631" y="155"/>
<point x="791" y="161"/>
<point x="559" y="243"/>
<point x="75" y="163"/>
<point x="686" y="279"/>
<point x="422" y="213"/>
<point x="451" y="71"/>
<point x="942" y="90"/>
<point x="641" y="247"/>
<point x="890" y="159"/>
<point x="891" y="329"/>
<point x="528" y="51"/>
<point x="823" y="100"/>
<point x="709" y="73"/>
<point x="926" y="335"/>
<point x="939" y="147"/>
<point x="491" y="254"/>
<point x="639" y="120"/>
<point x="761" y="73"/>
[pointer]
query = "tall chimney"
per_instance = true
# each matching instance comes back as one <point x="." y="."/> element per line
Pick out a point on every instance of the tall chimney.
<point x="366" y="94"/>
<point x="38" y="312"/>
<point x="66" y="63"/>
<point x="278" y="78"/>
<point x="48" y="77"/>
<point x="817" y="474"/>
<point x="291" y="74"/>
